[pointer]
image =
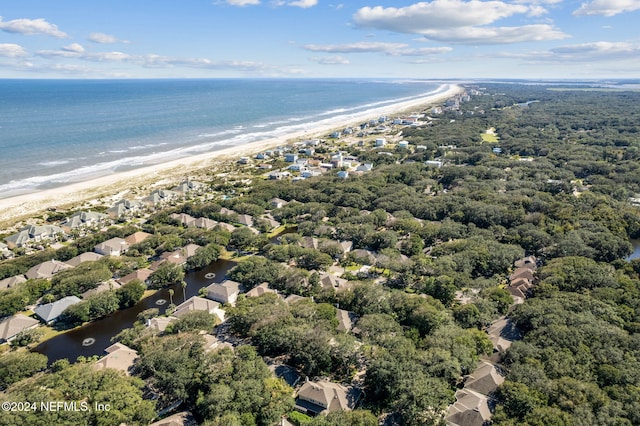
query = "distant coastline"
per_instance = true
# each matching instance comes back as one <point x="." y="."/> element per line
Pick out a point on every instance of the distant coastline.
<point x="23" y="206"/>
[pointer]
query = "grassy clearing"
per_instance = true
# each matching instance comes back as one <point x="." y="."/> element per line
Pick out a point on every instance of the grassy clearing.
<point x="490" y="136"/>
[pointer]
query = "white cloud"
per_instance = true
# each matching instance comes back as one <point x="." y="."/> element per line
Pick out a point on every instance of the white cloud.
<point x="330" y="60"/>
<point x="598" y="51"/>
<point x="459" y="21"/>
<point x="585" y="52"/>
<point x="389" y="49"/>
<point x="303" y="3"/>
<point x="361" y="47"/>
<point x="11" y="50"/>
<point x="423" y="51"/>
<point x="607" y="7"/>
<point x="31" y="27"/>
<point x="72" y="52"/>
<point x="74" y="47"/>
<point x="496" y="35"/>
<point x="102" y="38"/>
<point x="243" y="3"/>
<point x="421" y="17"/>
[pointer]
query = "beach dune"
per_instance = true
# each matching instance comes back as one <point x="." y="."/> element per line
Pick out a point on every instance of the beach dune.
<point x="16" y="208"/>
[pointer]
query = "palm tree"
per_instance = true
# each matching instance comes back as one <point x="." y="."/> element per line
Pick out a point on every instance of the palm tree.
<point x="171" y="296"/>
<point x="184" y="290"/>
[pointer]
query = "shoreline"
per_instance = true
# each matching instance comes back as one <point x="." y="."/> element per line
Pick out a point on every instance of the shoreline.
<point x="21" y="207"/>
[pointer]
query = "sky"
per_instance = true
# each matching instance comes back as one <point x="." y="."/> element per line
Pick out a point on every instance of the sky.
<point x="438" y="39"/>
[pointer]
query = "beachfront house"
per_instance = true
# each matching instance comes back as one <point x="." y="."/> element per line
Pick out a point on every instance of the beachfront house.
<point x="160" y="196"/>
<point x="190" y="186"/>
<point x="124" y="208"/>
<point x="291" y="157"/>
<point x="84" y="220"/>
<point x="32" y="234"/>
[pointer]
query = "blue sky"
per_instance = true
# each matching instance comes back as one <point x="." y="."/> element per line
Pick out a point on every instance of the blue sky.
<point x="437" y="39"/>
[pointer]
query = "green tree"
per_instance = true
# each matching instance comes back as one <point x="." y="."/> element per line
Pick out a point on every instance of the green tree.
<point x="167" y="274"/>
<point x="130" y="293"/>
<point x="18" y="365"/>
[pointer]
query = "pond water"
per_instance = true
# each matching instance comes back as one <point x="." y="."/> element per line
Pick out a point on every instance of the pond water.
<point x="636" y="250"/>
<point x="94" y="338"/>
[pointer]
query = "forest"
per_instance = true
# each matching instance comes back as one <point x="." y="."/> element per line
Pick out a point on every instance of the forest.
<point x="432" y="251"/>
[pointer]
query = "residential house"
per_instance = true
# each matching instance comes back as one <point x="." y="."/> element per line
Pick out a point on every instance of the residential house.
<point x="124" y="208"/>
<point x="5" y="251"/>
<point x="526" y="262"/>
<point x="224" y="292"/>
<point x="366" y="257"/>
<point x="189" y="250"/>
<point x="119" y="357"/>
<point x="203" y="223"/>
<point x="183" y="218"/>
<point x="272" y="223"/>
<point x="294" y="298"/>
<point x="433" y="163"/>
<point x="226" y="226"/>
<point x="12" y="282"/>
<point x="343" y="174"/>
<point x="331" y="281"/>
<point x="470" y="409"/>
<point x="309" y="242"/>
<point x="113" y="247"/>
<point x="140" y="274"/>
<point x="523" y="272"/>
<point x="227" y="212"/>
<point x="245" y="219"/>
<point x="33" y="234"/>
<point x="345" y="320"/>
<point x="403" y="145"/>
<point x="286" y="373"/>
<point x="46" y="269"/>
<point x="485" y="379"/>
<point x="380" y="142"/>
<point x="137" y="237"/>
<point x="260" y="290"/>
<point x="12" y="326"/>
<point x="502" y="333"/>
<point x="291" y="158"/>
<point x="84" y="257"/>
<point x="160" y="324"/>
<point x="183" y="418"/>
<point x="84" y="220"/>
<point x="160" y="196"/>
<point x="101" y="288"/>
<point x="196" y="303"/>
<point x="51" y="311"/>
<point x="365" y="167"/>
<point x="323" y="397"/>
<point x="190" y="186"/>
<point x="212" y="343"/>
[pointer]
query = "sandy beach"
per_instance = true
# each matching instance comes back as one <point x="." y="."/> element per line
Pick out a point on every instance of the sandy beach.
<point x="20" y="207"/>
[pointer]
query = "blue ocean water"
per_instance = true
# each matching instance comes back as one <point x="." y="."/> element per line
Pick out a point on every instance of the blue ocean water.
<point x="54" y="132"/>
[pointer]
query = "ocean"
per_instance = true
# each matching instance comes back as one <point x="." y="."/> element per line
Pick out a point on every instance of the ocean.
<point x="54" y="132"/>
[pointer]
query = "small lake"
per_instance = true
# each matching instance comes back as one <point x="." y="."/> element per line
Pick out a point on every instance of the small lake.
<point x="636" y="250"/>
<point x="93" y="338"/>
